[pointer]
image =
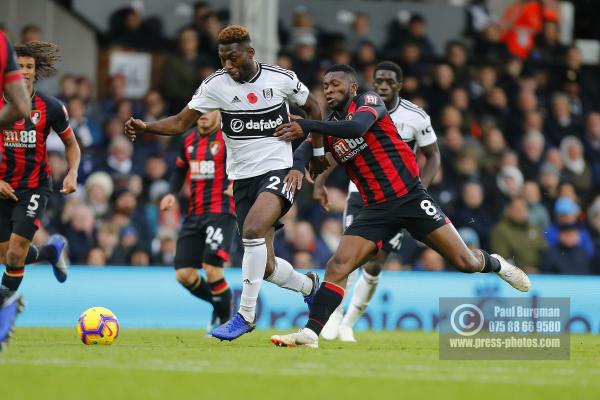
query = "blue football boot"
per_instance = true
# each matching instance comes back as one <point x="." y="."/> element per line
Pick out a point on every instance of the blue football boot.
<point x="11" y="304"/>
<point x="60" y="265"/>
<point x="233" y="329"/>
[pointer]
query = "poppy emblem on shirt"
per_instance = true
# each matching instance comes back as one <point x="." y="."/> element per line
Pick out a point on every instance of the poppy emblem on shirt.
<point x="252" y="98"/>
<point x="35" y="116"/>
<point x="268" y="94"/>
<point x="214" y="147"/>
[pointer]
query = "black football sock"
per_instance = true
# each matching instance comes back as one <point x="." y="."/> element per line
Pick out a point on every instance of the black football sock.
<point x="490" y="264"/>
<point x="221" y="299"/>
<point x="200" y="289"/>
<point x="327" y="299"/>
<point x="12" y="277"/>
<point x="44" y="253"/>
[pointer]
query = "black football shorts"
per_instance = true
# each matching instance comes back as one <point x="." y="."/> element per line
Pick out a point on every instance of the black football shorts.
<point x="23" y="217"/>
<point x="416" y="212"/>
<point x="206" y="239"/>
<point x="246" y="191"/>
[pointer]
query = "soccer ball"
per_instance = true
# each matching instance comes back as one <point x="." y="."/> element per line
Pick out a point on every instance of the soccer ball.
<point x="98" y="325"/>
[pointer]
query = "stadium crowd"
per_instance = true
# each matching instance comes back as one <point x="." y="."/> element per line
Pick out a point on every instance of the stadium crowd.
<point x="517" y="119"/>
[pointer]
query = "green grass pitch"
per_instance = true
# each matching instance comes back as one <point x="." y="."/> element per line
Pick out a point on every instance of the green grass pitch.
<point x="43" y="363"/>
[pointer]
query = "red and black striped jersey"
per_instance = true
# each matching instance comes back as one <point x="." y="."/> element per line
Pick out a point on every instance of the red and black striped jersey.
<point x="9" y="71"/>
<point x="204" y="159"/>
<point x="381" y="165"/>
<point x="25" y="162"/>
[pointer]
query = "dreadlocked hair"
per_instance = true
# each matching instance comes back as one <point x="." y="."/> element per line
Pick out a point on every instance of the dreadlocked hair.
<point x="45" y="55"/>
<point x="234" y="34"/>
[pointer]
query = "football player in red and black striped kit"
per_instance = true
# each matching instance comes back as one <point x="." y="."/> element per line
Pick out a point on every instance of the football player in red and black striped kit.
<point x="25" y="174"/>
<point x="362" y="138"/>
<point x="207" y="230"/>
<point x="16" y="106"/>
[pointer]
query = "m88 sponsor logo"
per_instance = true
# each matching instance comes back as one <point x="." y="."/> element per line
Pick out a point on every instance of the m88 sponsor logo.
<point x="20" y="138"/>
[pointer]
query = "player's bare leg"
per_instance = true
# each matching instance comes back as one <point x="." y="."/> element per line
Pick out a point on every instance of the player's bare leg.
<point x="352" y="252"/>
<point x="446" y="241"/>
<point x="364" y="290"/>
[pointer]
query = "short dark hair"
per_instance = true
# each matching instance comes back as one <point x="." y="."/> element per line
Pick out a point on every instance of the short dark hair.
<point x="345" y="68"/>
<point x="390" y="66"/>
<point x="234" y="34"/>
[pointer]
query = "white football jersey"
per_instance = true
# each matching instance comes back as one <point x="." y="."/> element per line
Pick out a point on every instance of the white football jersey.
<point x="413" y="125"/>
<point x="250" y="112"/>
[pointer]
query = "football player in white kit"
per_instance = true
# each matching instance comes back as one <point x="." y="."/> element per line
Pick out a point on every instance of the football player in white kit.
<point x="253" y="99"/>
<point x="414" y="126"/>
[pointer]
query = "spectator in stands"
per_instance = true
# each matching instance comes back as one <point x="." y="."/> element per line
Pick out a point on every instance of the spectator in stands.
<point x="568" y="256"/>
<point x="412" y="62"/>
<point x="417" y="32"/>
<point x="591" y="144"/>
<point x="167" y="243"/>
<point x="81" y="233"/>
<point x="119" y="161"/>
<point x="473" y="213"/>
<point x="566" y="212"/>
<point x="548" y="49"/>
<point x="360" y="31"/>
<point x="304" y="59"/>
<point x="438" y="94"/>
<point x="107" y="239"/>
<point x="561" y="122"/>
<point x="31" y="33"/>
<point x="459" y="99"/>
<point x="586" y="77"/>
<point x="490" y="49"/>
<point x="181" y="77"/>
<point x="117" y="85"/>
<point x="517" y="238"/>
<point x="456" y="57"/>
<point x="99" y="187"/>
<point x="593" y="215"/>
<point x="126" y="28"/>
<point x="85" y="126"/>
<point x="576" y="169"/>
<point x="521" y="22"/>
<point x="538" y="214"/>
<point x="67" y="87"/>
<point x="532" y="154"/>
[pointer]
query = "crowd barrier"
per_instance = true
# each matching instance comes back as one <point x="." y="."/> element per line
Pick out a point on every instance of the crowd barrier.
<point x="149" y="297"/>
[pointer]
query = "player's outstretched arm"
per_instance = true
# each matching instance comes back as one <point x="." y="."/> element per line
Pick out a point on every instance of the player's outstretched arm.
<point x="354" y="128"/>
<point x="173" y="125"/>
<point x="19" y="102"/>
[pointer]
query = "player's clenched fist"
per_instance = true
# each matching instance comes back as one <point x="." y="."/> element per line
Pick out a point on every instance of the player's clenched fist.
<point x="134" y="126"/>
<point x="167" y="202"/>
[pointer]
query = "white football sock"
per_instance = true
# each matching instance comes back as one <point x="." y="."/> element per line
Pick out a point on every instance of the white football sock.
<point x="363" y="292"/>
<point x="287" y="277"/>
<point x="253" y="270"/>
